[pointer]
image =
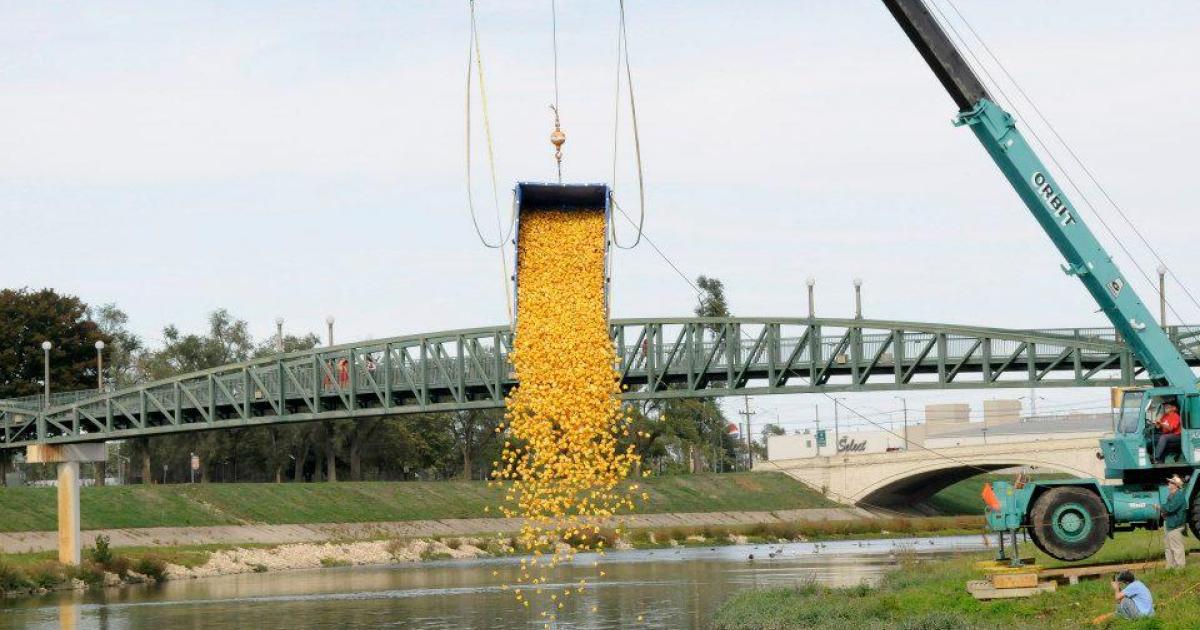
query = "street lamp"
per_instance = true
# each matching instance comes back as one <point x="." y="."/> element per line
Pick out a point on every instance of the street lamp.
<point x="329" y="328"/>
<point x="1162" y="295"/>
<point x="858" y="298"/>
<point x="811" y="282"/>
<point x="905" y="403"/>
<point x="46" y="345"/>
<point x="100" y="365"/>
<point x="279" y="333"/>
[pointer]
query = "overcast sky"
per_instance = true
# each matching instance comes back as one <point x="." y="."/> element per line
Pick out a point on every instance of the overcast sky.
<point x="301" y="159"/>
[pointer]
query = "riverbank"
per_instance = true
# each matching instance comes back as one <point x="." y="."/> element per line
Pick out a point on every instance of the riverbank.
<point x="115" y="566"/>
<point x="28" y="509"/>
<point x="933" y="595"/>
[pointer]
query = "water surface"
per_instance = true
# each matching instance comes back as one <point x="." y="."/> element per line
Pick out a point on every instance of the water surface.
<point x="667" y="588"/>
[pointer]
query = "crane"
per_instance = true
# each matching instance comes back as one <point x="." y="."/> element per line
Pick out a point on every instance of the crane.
<point x="1071" y="519"/>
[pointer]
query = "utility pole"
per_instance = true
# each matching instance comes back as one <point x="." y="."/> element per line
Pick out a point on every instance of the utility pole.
<point x="749" y="441"/>
<point x="1162" y="296"/>
<point x="812" y="304"/>
<point x="817" y="415"/>
<point x="904" y="401"/>
<point x="835" y="425"/>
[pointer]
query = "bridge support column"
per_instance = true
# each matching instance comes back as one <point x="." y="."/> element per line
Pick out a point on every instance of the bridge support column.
<point x="68" y="458"/>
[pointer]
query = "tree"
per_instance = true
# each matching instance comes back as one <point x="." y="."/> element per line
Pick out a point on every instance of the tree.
<point x="122" y="349"/>
<point x="473" y="431"/>
<point x="227" y="340"/>
<point x="286" y="442"/>
<point x="711" y="301"/>
<point x="27" y="318"/>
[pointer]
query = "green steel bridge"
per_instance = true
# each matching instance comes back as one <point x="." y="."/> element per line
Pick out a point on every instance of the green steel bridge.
<point x="659" y="358"/>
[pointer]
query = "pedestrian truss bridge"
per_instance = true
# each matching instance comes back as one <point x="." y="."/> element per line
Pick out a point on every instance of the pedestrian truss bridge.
<point x="658" y="358"/>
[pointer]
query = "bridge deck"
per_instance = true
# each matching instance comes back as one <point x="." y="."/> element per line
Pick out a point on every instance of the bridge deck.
<point x="659" y="358"/>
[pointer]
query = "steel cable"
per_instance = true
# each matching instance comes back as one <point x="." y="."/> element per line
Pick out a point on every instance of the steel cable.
<point x="623" y="53"/>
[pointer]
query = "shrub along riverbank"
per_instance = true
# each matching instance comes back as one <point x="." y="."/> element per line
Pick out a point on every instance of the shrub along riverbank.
<point x="184" y="505"/>
<point x="932" y="595"/>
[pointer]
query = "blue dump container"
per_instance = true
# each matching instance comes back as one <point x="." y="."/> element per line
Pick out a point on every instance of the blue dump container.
<point x="531" y="197"/>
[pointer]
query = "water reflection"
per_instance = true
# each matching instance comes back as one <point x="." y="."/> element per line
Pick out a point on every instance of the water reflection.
<point x="669" y="588"/>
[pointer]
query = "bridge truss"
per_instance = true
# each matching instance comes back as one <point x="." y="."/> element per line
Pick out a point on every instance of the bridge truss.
<point x="658" y="358"/>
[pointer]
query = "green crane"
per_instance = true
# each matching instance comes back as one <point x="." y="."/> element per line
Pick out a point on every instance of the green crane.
<point x="1070" y="519"/>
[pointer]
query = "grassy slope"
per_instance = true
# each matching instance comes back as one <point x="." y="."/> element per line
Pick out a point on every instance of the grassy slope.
<point x="31" y="509"/>
<point x="963" y="497"/>
<point x="933" y="595"/>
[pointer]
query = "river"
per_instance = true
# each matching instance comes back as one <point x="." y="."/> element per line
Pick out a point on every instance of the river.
<point x="667" y="588"/>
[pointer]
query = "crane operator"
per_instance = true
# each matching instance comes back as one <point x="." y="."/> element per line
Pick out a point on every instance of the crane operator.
<point x="1169" y="432"/>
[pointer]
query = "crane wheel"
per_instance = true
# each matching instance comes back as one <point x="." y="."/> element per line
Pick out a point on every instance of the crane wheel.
<point x="1069" y="523"/>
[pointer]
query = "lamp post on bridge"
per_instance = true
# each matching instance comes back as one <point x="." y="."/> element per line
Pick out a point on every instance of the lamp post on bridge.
<point x="100" y="366"/>
<point x="811" y="282"/>
<point x="46" y="345"/>
<point x="858" y="298"/>
<point x="329" y="329"/>
<point x="279" y="334"/>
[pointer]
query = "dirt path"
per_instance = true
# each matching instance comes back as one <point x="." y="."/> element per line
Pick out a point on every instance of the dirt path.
<point x="21" y="542"/>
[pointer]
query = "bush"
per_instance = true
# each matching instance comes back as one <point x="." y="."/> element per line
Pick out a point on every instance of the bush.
<point x="101" y="552"/>
<point x="330" y="561"/>
<point x="88" y="571"/>
<point x="152" y="567"/>
<point x="454" y="543"/>
<point x="259" y="568"/>
<point x="46" y="574"/>
<point x="12" y="579"/>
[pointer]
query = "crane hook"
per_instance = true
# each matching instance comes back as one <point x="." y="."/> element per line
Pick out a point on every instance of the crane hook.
<point x="558" y="139"/>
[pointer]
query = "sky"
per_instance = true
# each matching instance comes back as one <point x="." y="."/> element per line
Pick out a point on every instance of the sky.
<point x="304" y="159"/>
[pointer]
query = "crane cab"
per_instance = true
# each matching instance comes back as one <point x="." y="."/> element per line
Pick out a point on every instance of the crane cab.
<point x="1136" y="432"/>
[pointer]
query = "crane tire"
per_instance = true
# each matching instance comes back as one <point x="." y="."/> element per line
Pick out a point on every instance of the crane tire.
<point x="1068" y="522"/>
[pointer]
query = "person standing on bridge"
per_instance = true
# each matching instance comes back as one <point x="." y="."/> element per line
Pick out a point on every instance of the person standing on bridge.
<point x="1170" y="435"/>
<point x="1174" y="511"/>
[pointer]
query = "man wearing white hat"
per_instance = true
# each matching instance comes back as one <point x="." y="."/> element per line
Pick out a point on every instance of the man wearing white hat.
<point x="1175" y="516"/>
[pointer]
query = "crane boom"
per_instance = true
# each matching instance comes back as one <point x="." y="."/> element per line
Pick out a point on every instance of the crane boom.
<point x="1086" y="258"/>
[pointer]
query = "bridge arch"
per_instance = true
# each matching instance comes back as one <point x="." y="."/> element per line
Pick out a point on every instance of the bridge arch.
<point x="910" y="490"/>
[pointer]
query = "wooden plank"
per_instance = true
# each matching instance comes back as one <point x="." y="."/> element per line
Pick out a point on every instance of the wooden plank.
<point x="1014" y="580"/>
<point x="983" y="591"/>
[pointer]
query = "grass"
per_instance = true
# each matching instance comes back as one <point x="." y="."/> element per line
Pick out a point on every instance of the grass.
<point x="931" y="595"/>
<point x="963" y="497"/>
<point x="33" y="509"/>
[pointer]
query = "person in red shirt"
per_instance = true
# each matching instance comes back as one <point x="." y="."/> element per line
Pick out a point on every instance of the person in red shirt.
<point x="1169" y="432"/>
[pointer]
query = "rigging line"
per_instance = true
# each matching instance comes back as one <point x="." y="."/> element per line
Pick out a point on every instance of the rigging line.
<point x="472" y="54"/>
<point x="695" y="288"/>
<point x="554" y="38"/>
<point x="660" y="253"/>
<point x="1050" y="154"/>
<point x="623" y="50"/>
<point x="1071" y="152"/>
<point x="475" y="57"/>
